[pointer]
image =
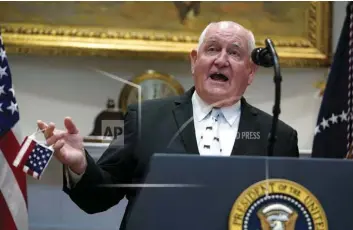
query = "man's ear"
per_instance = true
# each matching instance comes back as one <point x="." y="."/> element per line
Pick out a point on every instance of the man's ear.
<point x="193" y="58"/>
<point x="252" y="71"/>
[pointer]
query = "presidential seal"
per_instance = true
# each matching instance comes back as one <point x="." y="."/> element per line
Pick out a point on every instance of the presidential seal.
<point x="277" y="204"/>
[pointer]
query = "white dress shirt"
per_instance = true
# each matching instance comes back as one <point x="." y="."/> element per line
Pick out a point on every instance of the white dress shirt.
<point x="228" y="128"/>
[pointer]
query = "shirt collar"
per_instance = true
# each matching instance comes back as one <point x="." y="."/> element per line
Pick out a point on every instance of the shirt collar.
<point x="231" y="113"/>
<point x="202" y="109"/>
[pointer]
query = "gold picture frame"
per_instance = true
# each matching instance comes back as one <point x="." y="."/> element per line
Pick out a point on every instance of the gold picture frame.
<point x="87" y="28"/>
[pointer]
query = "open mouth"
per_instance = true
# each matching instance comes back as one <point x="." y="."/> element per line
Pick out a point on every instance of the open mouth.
<point x="219" y="77"/>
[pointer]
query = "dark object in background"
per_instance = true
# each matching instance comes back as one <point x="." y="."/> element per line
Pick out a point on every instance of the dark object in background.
<point x="110" y="113"/>
<point x="186" y="8"/>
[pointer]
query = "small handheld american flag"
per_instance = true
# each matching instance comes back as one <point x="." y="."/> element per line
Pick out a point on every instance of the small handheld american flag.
<point x="33" y="157"/>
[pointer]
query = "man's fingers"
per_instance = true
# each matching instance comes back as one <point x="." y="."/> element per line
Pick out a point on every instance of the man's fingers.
<point x="58" y="145"/>
<point x="49" y="131"/>
<point x="46" y="129"/>
<point x="55" y="137"/>
<point x="70" y="126"/>
<point x="42" y="125"/>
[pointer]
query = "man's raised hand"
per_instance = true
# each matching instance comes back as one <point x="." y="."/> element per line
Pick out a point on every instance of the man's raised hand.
<point x="68" y="144"/>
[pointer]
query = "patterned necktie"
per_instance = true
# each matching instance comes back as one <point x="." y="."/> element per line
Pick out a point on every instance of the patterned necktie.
<point x="210" y="142"/>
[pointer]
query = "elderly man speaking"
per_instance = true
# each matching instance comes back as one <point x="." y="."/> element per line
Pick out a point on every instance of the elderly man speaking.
<point x="222" y="123"/>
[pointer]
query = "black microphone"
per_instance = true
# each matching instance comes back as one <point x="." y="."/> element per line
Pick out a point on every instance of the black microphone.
<point x="268" y="57"/>
<point x="262" y="57"/>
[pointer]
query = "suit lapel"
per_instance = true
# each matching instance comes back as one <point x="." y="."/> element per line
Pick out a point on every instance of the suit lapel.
<point x="184" y="119"/>
<point x="247" y="124"/>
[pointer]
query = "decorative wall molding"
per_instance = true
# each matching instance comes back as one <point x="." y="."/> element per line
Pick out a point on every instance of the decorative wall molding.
<point x="52" y="37"/>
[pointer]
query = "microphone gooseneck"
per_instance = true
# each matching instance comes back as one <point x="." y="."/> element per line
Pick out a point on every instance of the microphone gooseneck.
<point x="267" y="57"/>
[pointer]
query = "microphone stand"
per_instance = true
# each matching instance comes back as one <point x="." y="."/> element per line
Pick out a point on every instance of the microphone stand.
<point x="276" y="108"/>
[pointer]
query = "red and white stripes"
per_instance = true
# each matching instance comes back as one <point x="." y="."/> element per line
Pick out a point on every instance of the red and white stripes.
<point x="13" y="189"/>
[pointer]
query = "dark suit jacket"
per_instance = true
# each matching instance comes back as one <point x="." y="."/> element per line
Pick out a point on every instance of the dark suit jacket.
<point x="160" y="121"/>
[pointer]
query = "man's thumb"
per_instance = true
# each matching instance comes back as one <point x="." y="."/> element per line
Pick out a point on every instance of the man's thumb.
<point x="70" y="126"/>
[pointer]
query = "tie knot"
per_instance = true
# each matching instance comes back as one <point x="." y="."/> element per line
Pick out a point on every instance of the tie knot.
<point x="216" y="112"/>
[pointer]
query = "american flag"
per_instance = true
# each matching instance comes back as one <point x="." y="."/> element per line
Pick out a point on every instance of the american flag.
<point x="334" y="128"/>
<point x="33" y="158"/>
<point x="13" y="189"/>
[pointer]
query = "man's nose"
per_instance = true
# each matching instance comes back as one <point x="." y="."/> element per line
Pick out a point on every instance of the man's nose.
<point x="222" y="60"/>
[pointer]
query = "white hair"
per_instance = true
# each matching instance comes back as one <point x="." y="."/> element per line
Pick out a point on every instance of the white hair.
<point x="251" y="41"/>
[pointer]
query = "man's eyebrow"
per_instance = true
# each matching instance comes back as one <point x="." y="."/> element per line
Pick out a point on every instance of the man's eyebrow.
<point x="210" y="40"/>
<point x="237" y="45"/>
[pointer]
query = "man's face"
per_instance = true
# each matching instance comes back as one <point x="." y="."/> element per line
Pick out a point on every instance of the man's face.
<point x="222" y="69"/>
